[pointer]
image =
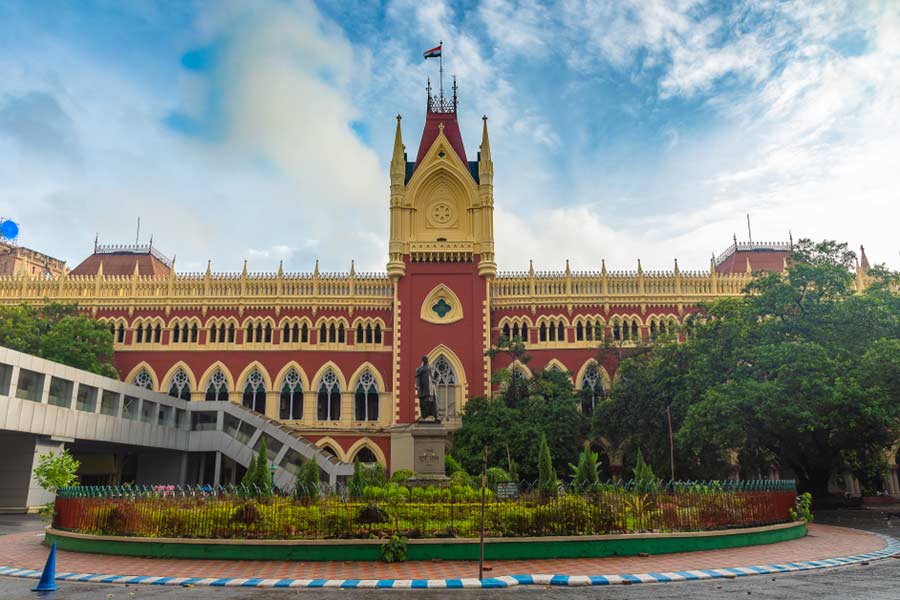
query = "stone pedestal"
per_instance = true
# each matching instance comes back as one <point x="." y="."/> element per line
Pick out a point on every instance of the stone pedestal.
<point x="419" y="447"/>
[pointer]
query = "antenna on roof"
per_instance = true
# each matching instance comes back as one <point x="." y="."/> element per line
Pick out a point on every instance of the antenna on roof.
<point x="749" y="232"/>
<point x="137" y="236"/>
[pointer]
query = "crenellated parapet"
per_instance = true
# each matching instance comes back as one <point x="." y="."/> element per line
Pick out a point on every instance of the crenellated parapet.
<point x="348" y="290"/>
<point x="535" y="289"/>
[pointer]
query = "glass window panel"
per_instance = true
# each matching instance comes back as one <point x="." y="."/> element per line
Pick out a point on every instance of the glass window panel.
<point x="109" y="403"/>
<point x="165" y="415"/>
<point x="60" y="392"/>
<point x="180" y="415"/>
<point x="87" y="398"/>
<point x="203" y="421"/>
<point x="31" y="385"/>
<point x="273" y="446"/>
<point x="5" y="378"/>
<point x="148" y="411"/>
<point x="130" y="407"/>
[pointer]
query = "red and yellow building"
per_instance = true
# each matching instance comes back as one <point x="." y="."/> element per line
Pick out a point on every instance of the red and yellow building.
<point x="334" y="354"/>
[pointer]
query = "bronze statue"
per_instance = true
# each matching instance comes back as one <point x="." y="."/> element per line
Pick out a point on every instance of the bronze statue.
<point x="425" y="391"/>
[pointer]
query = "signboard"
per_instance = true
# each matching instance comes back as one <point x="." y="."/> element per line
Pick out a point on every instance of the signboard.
<point x="507" y="490"/>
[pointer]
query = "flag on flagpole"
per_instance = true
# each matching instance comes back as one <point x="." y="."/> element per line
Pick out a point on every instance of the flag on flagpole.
<point x="433" y="53"/>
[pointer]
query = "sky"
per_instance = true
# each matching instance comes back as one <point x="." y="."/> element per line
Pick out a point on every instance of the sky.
<point x="620" y="130"/>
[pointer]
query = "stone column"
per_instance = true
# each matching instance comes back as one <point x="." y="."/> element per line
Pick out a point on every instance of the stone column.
<point x="218" y="469"/>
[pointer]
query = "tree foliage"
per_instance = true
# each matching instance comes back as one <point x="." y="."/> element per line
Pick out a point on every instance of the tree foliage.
<point x="512" y="422"/>
<point x="800" y="372"/>
<point x="547" y="482"/>
<point x="58" y="332"/>
<point x="56" y="470"/>
<point x="585" y="472"/>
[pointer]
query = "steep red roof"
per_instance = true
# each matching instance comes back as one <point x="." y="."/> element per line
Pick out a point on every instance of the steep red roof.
<point x="451" y="131"/>
<point x="122" y="263"/>
<point x="772" y="261"/>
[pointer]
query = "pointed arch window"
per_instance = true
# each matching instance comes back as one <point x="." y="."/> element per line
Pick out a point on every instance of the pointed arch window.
<point x="592" y="390"/>
<point x="181" y="385"/>
<point x="366" y="398"/>
<point x="157" y="333"/>
<point x="377" y="333"/>
<point x="217" y="388"/>
<point x="579" y="331"/>
<point x="213" y="333"/>
<point x="254" y="396"/>
<point x="446" y="389"/>
<point x="323" y="334"/>
<point x="507" y="332"/>
<point x="543" y="332"/>
<point x="328" y="402"/>
<point x="142" y="379"/>
<point x="366" y="456"/>
<point x="176" y="333"/>
<point x="560" y="332"/>
<point x="195" y="331"/>
<point x="139" y="334"/>
<point x="231" y="330"/>
<point x="291" y="403"/>
<point x="304" y="334"/>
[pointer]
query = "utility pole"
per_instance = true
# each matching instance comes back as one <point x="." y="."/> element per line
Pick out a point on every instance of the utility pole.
<point x="483" y="487"/>
<point x="671" y="442"/>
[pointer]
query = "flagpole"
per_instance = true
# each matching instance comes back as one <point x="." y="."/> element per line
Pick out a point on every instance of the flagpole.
<point x="441" y="59"/>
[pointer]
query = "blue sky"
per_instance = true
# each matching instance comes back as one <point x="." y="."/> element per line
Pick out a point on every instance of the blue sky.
<point x="620" y="130"/>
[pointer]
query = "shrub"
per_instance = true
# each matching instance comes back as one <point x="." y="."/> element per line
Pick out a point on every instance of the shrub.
<point x="394" y="550"/>
<point x="402" y="475"/>
<point x="451" y="465"/>
<point x="801" y="510"/>
<point x="496" y="475"/>
<point x="246" y="513"/>
<point x="644" y="478"/>
<point x="547" y="482"/>
<point x="306" y="482"/>
<point x="54" y="471"/>
<point x="585" y="474"/>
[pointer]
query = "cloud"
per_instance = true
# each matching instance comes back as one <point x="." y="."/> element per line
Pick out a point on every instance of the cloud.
<point x="38" y="124"/>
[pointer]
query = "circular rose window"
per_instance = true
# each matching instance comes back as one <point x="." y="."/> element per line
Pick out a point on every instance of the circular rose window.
<point x="441" y="213"/>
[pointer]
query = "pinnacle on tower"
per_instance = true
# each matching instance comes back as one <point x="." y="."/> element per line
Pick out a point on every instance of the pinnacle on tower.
<point x="398" y="158"/>
<point x="863" y="259"/>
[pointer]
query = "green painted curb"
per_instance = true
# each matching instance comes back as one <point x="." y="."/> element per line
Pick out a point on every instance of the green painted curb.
<point x="446" y="549"/>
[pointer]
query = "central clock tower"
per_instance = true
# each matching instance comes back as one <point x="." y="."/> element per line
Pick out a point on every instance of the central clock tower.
<point x="441" y="260"/>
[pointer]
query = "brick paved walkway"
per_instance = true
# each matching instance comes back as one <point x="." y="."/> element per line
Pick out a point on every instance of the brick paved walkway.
<point x="25" y="550"/>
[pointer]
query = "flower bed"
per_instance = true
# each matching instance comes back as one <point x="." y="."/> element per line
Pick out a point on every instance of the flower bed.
<point x="233" y="513"/>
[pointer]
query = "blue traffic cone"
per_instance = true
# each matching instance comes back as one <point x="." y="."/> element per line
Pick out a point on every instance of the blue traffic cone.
<point x="48" y="576"/>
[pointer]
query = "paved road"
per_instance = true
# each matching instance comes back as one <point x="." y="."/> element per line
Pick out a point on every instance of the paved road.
<point x="878" y="581"/>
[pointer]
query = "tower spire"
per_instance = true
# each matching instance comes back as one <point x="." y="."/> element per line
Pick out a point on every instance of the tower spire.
<point x="398" y="159"/>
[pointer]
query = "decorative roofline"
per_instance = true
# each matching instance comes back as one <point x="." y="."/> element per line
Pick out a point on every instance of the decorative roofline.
<point x="133" y="249"/>
<point x="438" y="103"/>
<point x="752" y="247"/>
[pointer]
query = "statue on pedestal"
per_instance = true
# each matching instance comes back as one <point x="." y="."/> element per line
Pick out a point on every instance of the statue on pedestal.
<point x="425" y="392"/>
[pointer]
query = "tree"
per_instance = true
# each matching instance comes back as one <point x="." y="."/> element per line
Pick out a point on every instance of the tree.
<point x="643" y="476"/>
<point x="55" y="471"/>
<point x="521" y="411"/>
<point x="585" y="473"/>
<point x="59" y="332"/>
<point x="306" y="482"/>
<point x="547" y="482"/>
<point x="258" y="473"/>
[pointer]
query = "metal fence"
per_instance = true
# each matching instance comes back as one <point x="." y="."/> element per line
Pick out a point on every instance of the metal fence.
<point x="237" y="512"/>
